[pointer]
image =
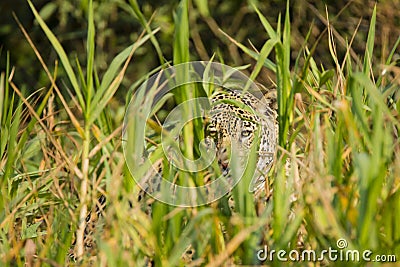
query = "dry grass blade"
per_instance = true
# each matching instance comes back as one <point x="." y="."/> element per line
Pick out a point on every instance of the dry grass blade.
<point x="342" y="41"/>
<point x="70" y="163"/>
<point x="234" y="244"/>
<point x="52" y="80"/>
<point x="103" y="142"/>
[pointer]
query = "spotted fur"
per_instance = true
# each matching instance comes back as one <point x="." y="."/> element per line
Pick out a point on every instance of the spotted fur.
<point x="236" y="118"/>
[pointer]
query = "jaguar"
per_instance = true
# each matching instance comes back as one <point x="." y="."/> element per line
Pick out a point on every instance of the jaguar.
<point x="236" y="118"/>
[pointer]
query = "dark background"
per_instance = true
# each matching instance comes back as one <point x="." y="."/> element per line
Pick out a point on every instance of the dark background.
<point x="117" y="28"/>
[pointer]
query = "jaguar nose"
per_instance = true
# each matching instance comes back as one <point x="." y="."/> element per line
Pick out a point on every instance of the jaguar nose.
<point x="223" y="158"/>
<point x="224" y="165"/>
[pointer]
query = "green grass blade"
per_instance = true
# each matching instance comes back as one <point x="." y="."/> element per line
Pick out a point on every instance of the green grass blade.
<point x="394" y="49"/>
<point x="262" y="57"/>
<point x="6" y="108"/>
<point x="181" y="35"/>
<point x="90" y="46"/>
<point x="136" y="10"/>
<point x="358" y="108"/>
<point x="369" y="50"/>
<point x="111" y="72"/>
<point x="61" y="53"/>
<point x="81" y="76"/>
<point x="267" y="26"/>
<point x="12" y="152"/>
<point x="181" y="55"/>
<point x="202" y="6"/>
<point x="2" y="91"/>
<point x="267" y="63"/>
<point x="285" y="118"/>
<point x="5" y="91"/>
<point x="388" y="62"/>
<point x="285" y="93"/>
<point x="375" y="95"/>
<point x="111" y="84"/>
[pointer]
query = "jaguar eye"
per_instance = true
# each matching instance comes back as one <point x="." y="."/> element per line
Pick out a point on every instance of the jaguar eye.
<point x="212" y="132"/>
<point x="245" y="133"/>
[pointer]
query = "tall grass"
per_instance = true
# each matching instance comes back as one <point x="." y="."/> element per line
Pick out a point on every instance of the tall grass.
<point x="336" y="174"/>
